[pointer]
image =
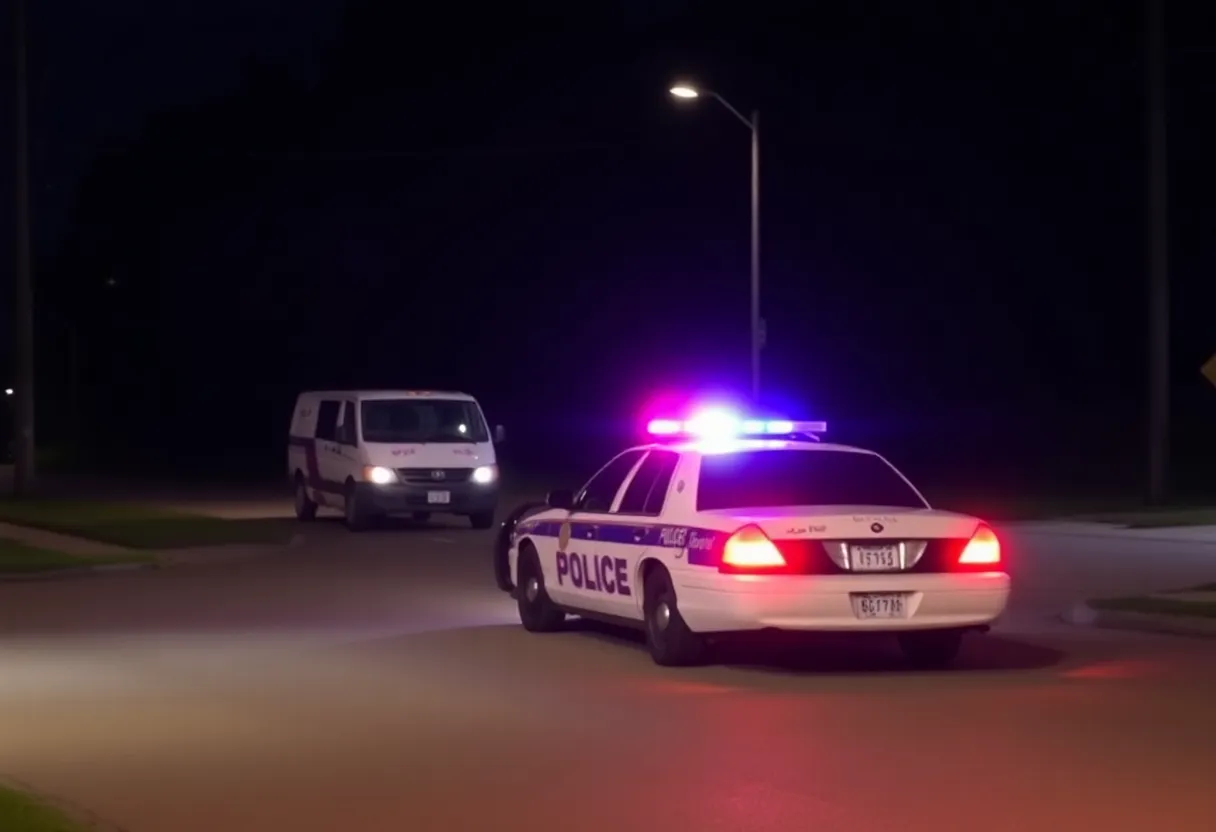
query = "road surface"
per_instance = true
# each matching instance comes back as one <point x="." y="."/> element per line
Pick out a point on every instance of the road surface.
<point x="379" y="683"/>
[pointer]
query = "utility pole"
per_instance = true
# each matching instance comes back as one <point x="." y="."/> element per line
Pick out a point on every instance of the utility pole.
<point x="23" y="392"/>
<point x="757" y="325"/>
<point x="1159" y="288"/>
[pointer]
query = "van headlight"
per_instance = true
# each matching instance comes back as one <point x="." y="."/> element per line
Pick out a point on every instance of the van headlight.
<point x="485" y="475"/>
<point x="379" y="475"/>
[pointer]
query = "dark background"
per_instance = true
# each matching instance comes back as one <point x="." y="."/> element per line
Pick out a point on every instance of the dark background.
<point x="238" y="200"/>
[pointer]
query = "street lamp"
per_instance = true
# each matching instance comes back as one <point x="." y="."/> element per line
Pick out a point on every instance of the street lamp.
<point x="687" y="91"/>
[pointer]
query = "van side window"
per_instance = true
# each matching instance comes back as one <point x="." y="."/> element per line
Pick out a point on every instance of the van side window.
<point x="327" y="420"/>
<point x="346" y="431"/>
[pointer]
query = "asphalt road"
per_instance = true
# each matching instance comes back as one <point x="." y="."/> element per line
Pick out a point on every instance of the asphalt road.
<point x="380" y="682"/>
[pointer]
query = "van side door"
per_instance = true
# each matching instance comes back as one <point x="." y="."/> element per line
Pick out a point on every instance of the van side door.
<point x="301" y="455"/>
<point x="330" y="463"/>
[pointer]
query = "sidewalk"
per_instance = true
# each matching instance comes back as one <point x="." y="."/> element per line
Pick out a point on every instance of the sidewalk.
<point x="66" y="544"/>
<point x="1081" y="528"/>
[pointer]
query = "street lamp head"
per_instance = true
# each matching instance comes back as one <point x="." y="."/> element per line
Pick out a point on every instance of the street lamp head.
<point x="8" y="391"/>
<point x="684" y="91"/>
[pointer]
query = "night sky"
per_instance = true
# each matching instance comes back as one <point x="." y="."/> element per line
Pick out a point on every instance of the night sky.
<point x="237" y="200"/>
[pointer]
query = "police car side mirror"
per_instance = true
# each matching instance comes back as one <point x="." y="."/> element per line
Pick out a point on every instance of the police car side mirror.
<point x="561" y="498"/>
<point x="500" y="434"/>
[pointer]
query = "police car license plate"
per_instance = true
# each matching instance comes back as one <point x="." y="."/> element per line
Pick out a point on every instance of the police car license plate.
<point x="439" y="497"/>
<point x="874" y="558"/>
<point x="880" y="605"/>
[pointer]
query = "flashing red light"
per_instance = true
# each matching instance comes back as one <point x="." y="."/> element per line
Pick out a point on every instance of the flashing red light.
<point x="983" y="549"/>
<point x="750" y="550"/>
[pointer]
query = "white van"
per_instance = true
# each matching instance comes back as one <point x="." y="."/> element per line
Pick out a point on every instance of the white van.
<point x="373" y="453"/>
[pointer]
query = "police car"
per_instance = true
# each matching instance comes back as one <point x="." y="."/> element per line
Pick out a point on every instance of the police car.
<point x="724" y="525"/>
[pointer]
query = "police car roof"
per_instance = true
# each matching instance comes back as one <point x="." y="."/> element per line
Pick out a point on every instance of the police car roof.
<point x="372" y="395"/>
<point x="736" y="445"/>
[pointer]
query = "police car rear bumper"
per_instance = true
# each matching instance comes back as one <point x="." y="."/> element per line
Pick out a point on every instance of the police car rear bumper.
<point x="716" y="603"/>
<point x="452" y="498"/>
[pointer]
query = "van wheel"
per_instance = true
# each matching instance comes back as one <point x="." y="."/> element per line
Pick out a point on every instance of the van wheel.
<point x="482" y="519"/>
<point x="536" y="612"/>
<point x="356" y="517"/>
<point x="306" y="509"/>
<point x="668" y="638"/>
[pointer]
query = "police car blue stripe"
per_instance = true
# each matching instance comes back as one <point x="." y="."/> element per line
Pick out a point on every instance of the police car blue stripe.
<point x="704" y="545"/>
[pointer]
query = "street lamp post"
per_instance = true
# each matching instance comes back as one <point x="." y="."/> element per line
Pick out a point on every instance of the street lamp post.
<point x="23" y="478"/>
<point x="753" y="124"/>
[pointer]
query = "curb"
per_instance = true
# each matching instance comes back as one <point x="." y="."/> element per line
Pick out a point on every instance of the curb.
<point x="1084" y="615"/>
<point x="227" y="553"/>
<point x="1185" y="535"/>
<point x="77" y="571"/>
<point x="189" y="556"/>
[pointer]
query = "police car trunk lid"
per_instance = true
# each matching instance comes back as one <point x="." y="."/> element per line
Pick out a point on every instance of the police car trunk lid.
<point x="852" y="522"/>
<point x="843" y="540"/>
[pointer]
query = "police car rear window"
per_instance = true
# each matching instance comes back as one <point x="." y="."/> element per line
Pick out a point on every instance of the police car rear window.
<point x="754" y="479"/>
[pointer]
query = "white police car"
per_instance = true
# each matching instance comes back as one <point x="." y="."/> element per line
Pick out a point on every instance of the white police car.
<point x="725" y="526"/>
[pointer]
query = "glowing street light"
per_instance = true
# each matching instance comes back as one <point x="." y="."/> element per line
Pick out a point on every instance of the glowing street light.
<point x="8" y="391"/>
<point x="687" y="91"/>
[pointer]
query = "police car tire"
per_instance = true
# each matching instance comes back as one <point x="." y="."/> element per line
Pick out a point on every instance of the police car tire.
<point x="931" y="648"/>
<point x="673" y="645"/>
<point x="306" y="509"/>
<point x="482" y="519"/>
<point x="538" y="615"/>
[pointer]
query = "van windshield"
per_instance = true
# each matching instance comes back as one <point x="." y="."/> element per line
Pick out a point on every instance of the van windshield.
<point x="422" y="420"/>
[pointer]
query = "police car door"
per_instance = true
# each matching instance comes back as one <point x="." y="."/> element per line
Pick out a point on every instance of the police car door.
<point x="635" y="527"/>
<point x="575" y="576"/>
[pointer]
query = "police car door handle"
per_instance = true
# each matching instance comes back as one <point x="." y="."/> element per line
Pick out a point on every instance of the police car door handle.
<point x="590" y="532"/>
<point x="638" y="534"/>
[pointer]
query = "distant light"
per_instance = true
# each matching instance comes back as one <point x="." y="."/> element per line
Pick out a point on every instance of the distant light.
<point x="8" y="391"/>
<point x="684" y="91"/>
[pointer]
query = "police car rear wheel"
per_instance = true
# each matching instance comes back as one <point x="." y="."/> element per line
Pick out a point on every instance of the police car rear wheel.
<point x="668" y="638"/>
<point x="536" y="612"/>
<point x="932" y="648"/>
<point x="306" y="509"/>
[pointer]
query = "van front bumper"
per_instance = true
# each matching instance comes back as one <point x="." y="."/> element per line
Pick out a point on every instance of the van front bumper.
<point x="406" y="498"/>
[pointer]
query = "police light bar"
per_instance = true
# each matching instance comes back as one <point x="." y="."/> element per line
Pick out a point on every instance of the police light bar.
<point x="720" y="425"/>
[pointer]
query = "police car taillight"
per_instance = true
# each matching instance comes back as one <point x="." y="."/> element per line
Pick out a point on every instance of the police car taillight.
<point x="983" y="549"/>
<point x="750" y="550"/>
